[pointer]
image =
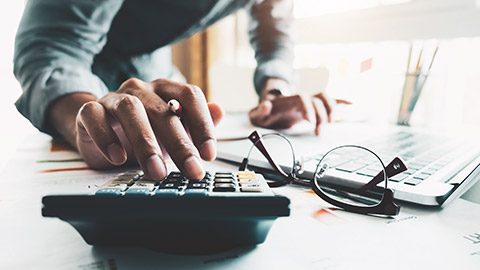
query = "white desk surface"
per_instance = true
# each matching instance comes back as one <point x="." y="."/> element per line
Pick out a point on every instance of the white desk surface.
<point x="313" y="237"/>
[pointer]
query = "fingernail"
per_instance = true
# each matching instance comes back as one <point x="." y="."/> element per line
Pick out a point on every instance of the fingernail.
<point x="116" y="154"/>
<point x="155" y="168"/>
<point x="208" y="150"/>
<point x="193" y="168"/>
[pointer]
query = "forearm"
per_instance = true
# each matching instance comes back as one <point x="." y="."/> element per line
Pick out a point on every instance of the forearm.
<point x="269" y="30"/>
<point x="61" y="115"/>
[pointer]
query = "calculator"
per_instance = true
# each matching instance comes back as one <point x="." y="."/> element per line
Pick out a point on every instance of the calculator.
<point x="224" y="210"/>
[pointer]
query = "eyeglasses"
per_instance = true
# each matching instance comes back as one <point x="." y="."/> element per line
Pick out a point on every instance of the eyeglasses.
<point x="347" y="176"/>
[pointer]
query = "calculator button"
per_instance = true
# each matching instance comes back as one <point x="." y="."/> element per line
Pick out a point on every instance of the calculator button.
<point x="223" y="174"/>
<point x="247" y="176"/>
<point x="197" y="186"/>
<point x="196" y="192"/>
<point x="251" y="188"/>
<point x="127" y="176"/>
<point x="155" y="183"/>
<point x="169" y="185"/>
<point x="128" y="183"/>
<point x="248" y="181"/>
<point x="224" y="187"/>
<point x="177" y="181"/>
<point x="224" y="180"/>
<point x="121" y="187"/>
<point x="123" y="180"/>
<point x="147" y="186"/>
<point x="175" y="175"/>
<point x="109" y="192"/>
<point x="138" y="191"/>
<point x="246" y="173"/>
<point x="203" y="181"/>
<point x="167" y="192"/>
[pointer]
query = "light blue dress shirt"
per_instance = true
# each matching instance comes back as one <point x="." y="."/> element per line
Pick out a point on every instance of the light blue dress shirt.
<point x="92" y="46"/>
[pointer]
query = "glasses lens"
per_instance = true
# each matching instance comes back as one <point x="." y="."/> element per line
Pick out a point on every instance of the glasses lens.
<point x="277" y="148"/>
<point x="352" y="175"/>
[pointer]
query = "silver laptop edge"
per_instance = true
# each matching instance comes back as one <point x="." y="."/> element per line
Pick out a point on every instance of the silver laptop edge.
<point x="438" y="192"/>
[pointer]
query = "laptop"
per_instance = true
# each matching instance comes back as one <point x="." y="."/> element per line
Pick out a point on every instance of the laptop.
<point x="440" y="166"/>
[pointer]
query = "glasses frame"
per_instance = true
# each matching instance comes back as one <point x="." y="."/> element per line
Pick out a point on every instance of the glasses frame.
<point x="386" y="206"/>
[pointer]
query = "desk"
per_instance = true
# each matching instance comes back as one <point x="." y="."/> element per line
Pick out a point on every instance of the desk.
<point x="313" y="237"/>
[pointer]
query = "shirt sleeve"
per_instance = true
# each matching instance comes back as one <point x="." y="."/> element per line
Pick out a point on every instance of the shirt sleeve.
<point x="269" y="30"/>
<point x="55" y="45"/>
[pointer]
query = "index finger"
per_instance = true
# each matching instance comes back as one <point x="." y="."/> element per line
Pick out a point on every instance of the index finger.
<point x="195" y="112"/>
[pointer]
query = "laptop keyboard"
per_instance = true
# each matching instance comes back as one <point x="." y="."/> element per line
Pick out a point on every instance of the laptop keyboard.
<point x="423" y="154"/>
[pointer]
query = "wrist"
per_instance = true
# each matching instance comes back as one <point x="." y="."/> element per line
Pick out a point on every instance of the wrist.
<point x="273" y="88"/>
<point x="62" y="114"/>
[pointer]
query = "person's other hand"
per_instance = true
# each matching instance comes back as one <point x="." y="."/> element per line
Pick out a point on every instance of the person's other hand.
<point x="135" y="124"/>
<point x="282" y="112"/>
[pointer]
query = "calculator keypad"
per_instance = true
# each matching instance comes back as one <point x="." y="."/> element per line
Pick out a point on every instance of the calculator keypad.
<point x="129" y="183"/>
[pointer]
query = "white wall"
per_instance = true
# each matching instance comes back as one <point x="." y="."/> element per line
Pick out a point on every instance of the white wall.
<point x="13" y="127"/>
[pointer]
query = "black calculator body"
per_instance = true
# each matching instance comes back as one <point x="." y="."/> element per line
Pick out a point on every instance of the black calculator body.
<point x="177" y="215"/>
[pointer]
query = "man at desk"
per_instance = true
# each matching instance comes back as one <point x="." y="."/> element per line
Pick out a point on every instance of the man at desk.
<point x="99" y="74"/>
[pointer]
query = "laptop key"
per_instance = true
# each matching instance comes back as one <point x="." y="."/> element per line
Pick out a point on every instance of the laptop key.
<point x="398" y="177"/>
<point x="412" y="182"/>
<point x="351" y="166"/>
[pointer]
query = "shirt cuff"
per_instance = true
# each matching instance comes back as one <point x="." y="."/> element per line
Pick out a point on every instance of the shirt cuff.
<point x="50" y="84"/>
<point x="274" y="68"/>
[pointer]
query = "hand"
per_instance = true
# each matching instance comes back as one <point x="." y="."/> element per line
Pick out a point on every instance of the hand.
<point x="281" y="112"/>
<point x="135" y="124"/>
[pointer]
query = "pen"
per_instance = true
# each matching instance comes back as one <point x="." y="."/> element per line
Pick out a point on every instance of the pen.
<point x="175" y="107"/>
<point x="420" y="83"/>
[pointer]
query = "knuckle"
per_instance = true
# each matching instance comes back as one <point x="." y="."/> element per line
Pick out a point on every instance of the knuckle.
<point x="90" y="108"/>
<point x="132" y="83"/>
<point x="182" y="149"/>
<point x="191" y="91"/>
<point x="159" y="82"/>
<point x="147" y="142"/>
<point x="156" y="109"/>
<point x="128" y="102"/>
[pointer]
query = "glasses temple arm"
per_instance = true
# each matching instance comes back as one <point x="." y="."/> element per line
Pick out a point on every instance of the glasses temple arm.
<point x="257" y="142"/>
<point x="395" y="167"/>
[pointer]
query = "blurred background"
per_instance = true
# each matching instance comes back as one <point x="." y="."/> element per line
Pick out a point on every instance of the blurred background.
<point x="353" y="49"/>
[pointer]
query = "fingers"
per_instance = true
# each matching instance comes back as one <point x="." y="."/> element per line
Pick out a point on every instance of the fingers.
<point x="130" y="113"/>
<point x="92" y="120"/>
<point x="260" y="115"/>
<point x="326" y="104"/>
<point x="342" y="101"/>
<point x="169" y="129"/>
<point x="320" y="113"/>
<point x="195" y="111"/>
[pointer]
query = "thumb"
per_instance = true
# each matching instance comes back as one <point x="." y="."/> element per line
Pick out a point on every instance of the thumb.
<point x="264" y="108"/>
<point x="216" y="112"/>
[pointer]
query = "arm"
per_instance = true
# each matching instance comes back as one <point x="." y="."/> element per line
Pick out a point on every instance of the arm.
<point x="270" y="37"/>
<point x="54" y="50"/>
<point x="269" y="30"/>
<point x="55" y="46"/>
